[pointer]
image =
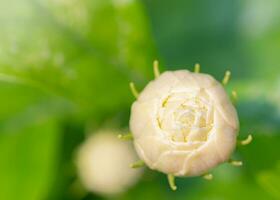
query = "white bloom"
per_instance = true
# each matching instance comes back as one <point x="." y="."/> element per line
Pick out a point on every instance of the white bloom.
<point x="103" y="164"/>
<point x="184" y="124"/>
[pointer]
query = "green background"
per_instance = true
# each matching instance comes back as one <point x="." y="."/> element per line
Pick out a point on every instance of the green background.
<point x="65" y="66"/>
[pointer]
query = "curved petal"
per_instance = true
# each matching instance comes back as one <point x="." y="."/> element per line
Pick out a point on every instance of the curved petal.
<point x="204" y="80"/>
<point x="155" y="123"/>
<point x="223" y="105"/>
<point x="171" y="162"/>
<point x="186" y="81"/>
<point x="150" y="149"/>
<point x="225" y="137"/>
<point x="143" y="119"/>
<point x="159" y="87"/>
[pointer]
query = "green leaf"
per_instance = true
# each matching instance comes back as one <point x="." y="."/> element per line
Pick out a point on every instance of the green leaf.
<point x="84" y="51"/>
<point x="28" y="160"/>
<point x="270" y="180"/>
<point x="64" y="59"/>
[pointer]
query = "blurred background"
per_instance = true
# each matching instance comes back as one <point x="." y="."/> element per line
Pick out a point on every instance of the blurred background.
<point x="65" y="66"/>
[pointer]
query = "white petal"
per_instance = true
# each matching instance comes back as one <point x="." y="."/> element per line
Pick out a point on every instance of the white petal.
<point x="223" y="104"/>
<point x="143" y="118"/>
<point x="171" y="162"/>
<point x="101" y="172"/>
<point x="159" y="87"/>
<point x="150" y="148"/>
<point x="184" y="124"/>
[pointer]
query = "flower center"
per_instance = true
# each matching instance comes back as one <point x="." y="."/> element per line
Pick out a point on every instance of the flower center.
<point x="186" y="116"/>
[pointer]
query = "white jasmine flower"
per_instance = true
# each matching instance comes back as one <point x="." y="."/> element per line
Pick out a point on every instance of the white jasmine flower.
<point x="184" y="124"/>
<point x="103" y="164"/>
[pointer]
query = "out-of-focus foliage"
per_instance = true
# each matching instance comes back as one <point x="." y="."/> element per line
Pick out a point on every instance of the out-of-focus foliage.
<point x="28" y="157"/>
<point x="62" y="63"/>
<point x="269" y="180"/>
<point x="82" y="51"/>
<point x="64" y="71"/>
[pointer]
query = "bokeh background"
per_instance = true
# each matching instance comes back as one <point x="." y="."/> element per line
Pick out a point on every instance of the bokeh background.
<point x="65" y="66"/>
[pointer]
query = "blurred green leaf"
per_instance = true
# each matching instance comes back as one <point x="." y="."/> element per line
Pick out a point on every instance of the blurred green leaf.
<point x="63" y="63"/>
<point x="270" y="180"/>
<point x="28" y="160"/>
<point x="84" y="51"/>
<point x="240" y="188"/>
<point x="261" y="154"/>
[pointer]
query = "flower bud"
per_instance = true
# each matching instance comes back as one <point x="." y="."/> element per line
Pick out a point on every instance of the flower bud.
<point x="103" y="164"/>
<point x="184" y="124"/>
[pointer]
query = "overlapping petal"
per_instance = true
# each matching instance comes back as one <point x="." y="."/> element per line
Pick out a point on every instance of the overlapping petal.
<point x="184" y="123"/>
